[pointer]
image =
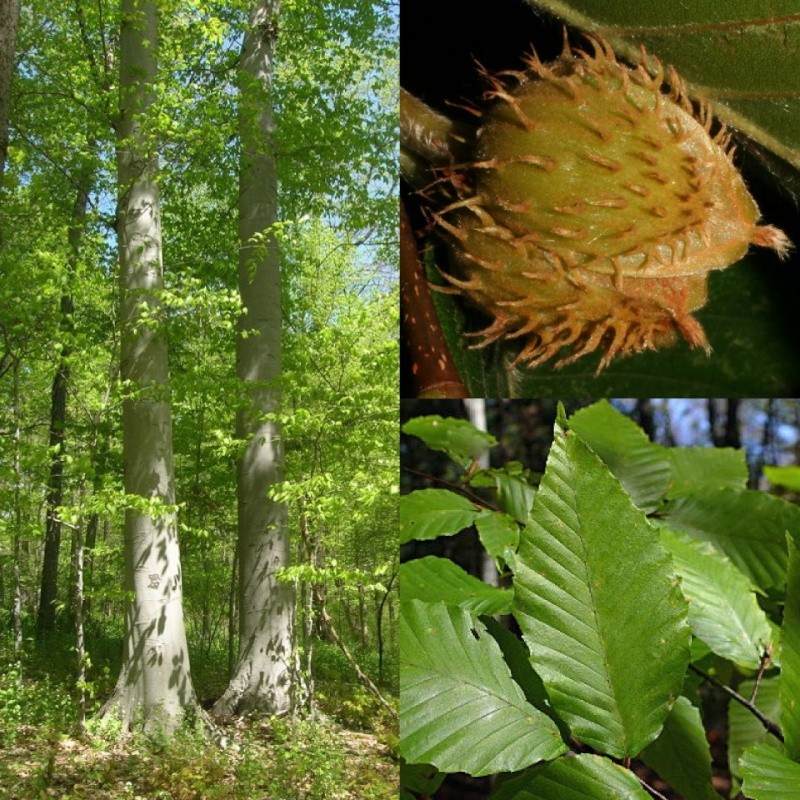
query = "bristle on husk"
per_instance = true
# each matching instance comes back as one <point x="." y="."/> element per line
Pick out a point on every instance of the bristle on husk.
<point x="595" y="206"/>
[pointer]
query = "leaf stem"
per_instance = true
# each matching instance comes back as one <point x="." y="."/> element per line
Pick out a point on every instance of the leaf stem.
<point x="768" y="724"/>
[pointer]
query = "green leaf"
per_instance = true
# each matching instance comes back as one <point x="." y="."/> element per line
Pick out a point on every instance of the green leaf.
<point x="582" y="777"/>
<point x="744" y="729"/>
<point x="642" y="467"/>
<point x="723" y="609"/>
<point x="460" y="710"/>
<point x="599" y="609"/>
<point x="697" y="469"/>
<point x="518" y="659"/>
<point x="428" y="513"/>
<point x="433" y="579"/>
<point x="681" y="756"/>
<point x="420" y="778"/>
<point x="769" y="775"/>
<point x="747" y="526"/>
<point x="788" y="477"/>
<point x="498" y="532"/>
<point x="460" y="439"/>
<point x="790" y="656"/>
<point x="514" y="494"/>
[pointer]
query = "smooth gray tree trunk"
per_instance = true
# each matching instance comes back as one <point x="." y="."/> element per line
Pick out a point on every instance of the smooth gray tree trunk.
<point x="476" y="411"/>
<point x="9" y="20"/>
<point x="154" y="691"/>
<point x="261" y="678"/>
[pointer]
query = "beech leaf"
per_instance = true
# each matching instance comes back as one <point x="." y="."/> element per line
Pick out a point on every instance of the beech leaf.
<point x="599" y="608"/>
<point x="460" y="709"/>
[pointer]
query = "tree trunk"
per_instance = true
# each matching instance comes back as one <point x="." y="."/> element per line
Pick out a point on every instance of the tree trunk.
<point x="154" y="691"/>
<point x="379" y="624"/>
<point x="732" y="437"/>
<point x="17" y="610"/>
<point x="58" y="419"/>
<point x="9" y="20"/>
<point x="262" y="675"/>
<point x="99" y="449"/>
<point x="476" y="411"/>
<point x="80" y="640"/>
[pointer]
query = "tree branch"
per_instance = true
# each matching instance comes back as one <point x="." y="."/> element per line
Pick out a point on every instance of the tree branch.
<point x="454" y="487"/>
<point x="768" y="724"/>
<point x="39" y="149"/>
<point x="434" y="371"/>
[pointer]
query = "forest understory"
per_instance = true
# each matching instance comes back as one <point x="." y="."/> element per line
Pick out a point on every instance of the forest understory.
<point x="346" y="748"/>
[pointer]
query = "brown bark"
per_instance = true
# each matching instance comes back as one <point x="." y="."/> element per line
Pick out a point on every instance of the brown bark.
<point x="58" y="419"/>
<point x="9" y="20"/>
<point x="433" y="371"/>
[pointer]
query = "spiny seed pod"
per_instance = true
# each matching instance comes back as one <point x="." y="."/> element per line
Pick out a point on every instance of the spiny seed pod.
<point x="596" y="206"/>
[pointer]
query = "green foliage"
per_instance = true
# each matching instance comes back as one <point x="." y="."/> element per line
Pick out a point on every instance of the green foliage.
<point x="287" y="759"/>
<point x="29" y="708"/>
<point x="784" y="476"/>
<point x="624" y="576"/>
<point x="723" y="609"/>
<point x="458" y="438"/>
<point x="641" y="466"/>
<point x="749" y="527"/>
<point x="429" y="513"/>
<point x="768" y="775"/>
<point x="460" y="709"/>
<point x="790" y="655"/>
<point x="433" y="579"/>
<point x="587" y="561"/>
<point x="334" y="106"/>
<point x="584" y="776"/>
<point x="744" y="730"/>
<point x="307" y="752"/>
<point x="680" y="753"/>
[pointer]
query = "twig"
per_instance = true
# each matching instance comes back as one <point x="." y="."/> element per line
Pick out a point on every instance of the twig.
<point x="768" y="724"/>
<point x="650" y="789"/>
<point x="766" y="657"/>
<point x="435" y="374"/>
<point x="455" y="487"/>
<point x="426" y="132"/>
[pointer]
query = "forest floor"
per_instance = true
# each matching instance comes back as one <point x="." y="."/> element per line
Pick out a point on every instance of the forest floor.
<point x="265" y="759"/>
<point x="348" y="753"/>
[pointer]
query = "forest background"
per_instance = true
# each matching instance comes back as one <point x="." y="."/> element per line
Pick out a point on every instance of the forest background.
<point x="62" y="500"/>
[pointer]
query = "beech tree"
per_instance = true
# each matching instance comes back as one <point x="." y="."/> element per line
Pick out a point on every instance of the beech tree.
<point x="154" y="690"/>
<point x="261" y="677"/>
<point x="9" y="18"/>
